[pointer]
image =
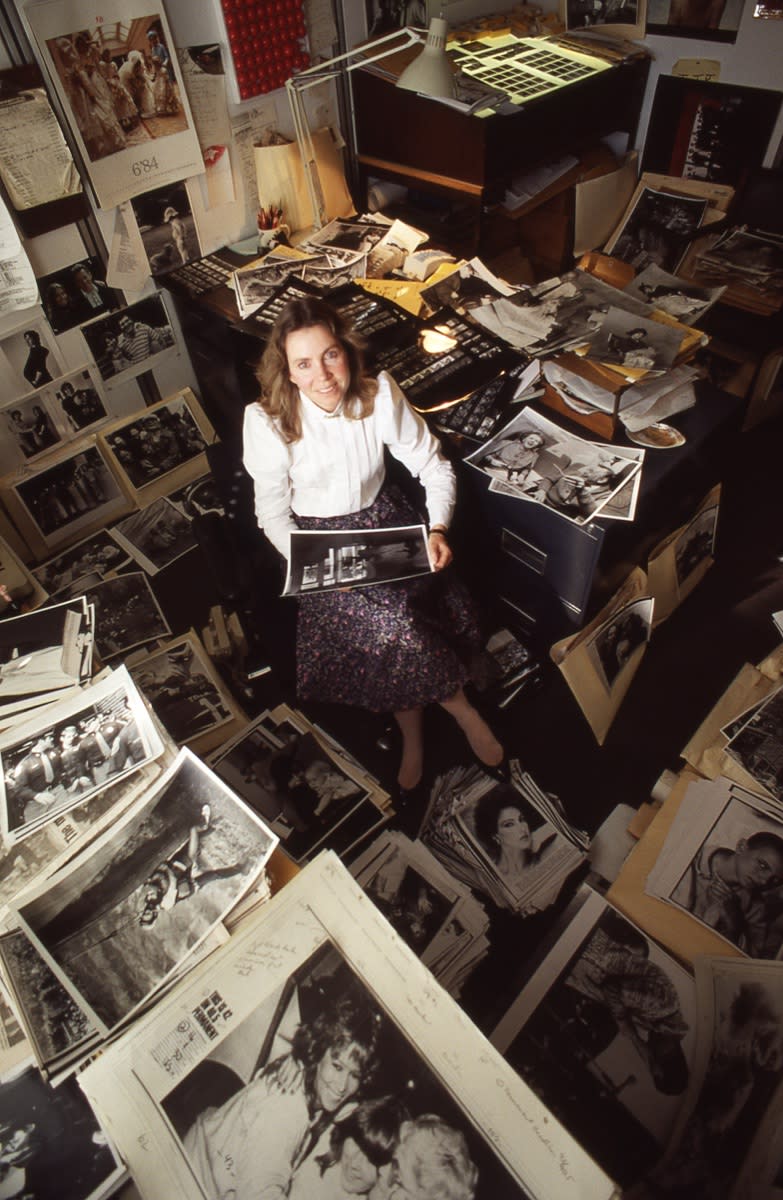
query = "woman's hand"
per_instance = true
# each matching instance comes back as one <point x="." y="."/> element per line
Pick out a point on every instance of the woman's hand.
<point x="440" y="550"/>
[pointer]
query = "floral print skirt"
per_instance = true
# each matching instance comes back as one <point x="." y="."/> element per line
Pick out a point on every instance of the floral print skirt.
<point x="387" y="647"/>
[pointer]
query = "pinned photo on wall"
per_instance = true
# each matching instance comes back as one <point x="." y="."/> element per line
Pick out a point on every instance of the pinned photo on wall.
<point x="30" y="356"/>
<point x="29" y="430"/>
<point x="167" y="228"/>
<point x="162" y="448"/>
<point x="119" y="83"/>
<point x="130" y="341"/>
<point x="75" y="294"/>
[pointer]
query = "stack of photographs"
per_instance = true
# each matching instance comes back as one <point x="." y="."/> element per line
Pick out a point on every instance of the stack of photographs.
<point x="755" y="741"/>
<point x="45" y="654"/>
<point x="722" y="862"/>
<point x="672" y="294"/>
<point x="744" y="256"/>
<point x="433" y="913"/>
<point x="255" y="284"/>
<point x="138" y="905"/>
<point x="513" y="845"/>
<point x="533" y="459"/>
<point x="310" y="792"/>
<point x="604" y="1033"/>
<point x="206" y="1096"/>
<point x="269" y="308"/>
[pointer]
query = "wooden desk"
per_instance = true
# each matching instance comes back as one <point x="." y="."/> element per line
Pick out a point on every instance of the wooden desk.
<point x="434" y="148"/>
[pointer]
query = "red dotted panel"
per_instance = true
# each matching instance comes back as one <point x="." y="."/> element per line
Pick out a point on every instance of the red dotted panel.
<point x="267" y="42"/>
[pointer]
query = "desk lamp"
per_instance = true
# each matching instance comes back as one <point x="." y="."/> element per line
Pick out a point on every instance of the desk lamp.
<point x="430" y="74"/>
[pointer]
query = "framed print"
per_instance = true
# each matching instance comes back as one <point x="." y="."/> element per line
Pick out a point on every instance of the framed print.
<point x="708" y="20"/>
<point x="116" y="75"/>
<point x="130" y="341"/>
<point x="75" y="294"/>
<point x="71" y="496"/>
<point x="712" y="131"/>
<point x="162" y="448"/>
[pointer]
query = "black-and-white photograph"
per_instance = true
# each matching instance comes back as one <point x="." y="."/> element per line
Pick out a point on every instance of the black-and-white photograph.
<point x="126" y="614"/>
<point x="678" y="297"/>
<point x="657" y="229"/>
<point x="617" y="641"/>
<point x="412" y="904"/>
<point x="98" y="554"/>
<point x="604" y="1033"/>
<point x="349" y="1062"/>
<point x="53" y="1144"/>
<point x="55" y="1024"/>
<point x="749" y="253"/>
<point x="343" y="234"/>
<point x="733" y="874"/>
<point x="696" y="543"/>
<point x="758" y="744"/>
<point x="732" y="1106"/>
<point x="167" y="228"/>
<point x="537" y="460"/>
<point x="79" y="398"/>
<point x="71" y="750"/>
<point x="384" y="16"/>
<point x="290" y="781"/>
<point x="156" y="536"/>
<point x="184" y="689"/>
<point x="137" y="901"/>
<point x="197" y="498"/>
<point x="31" y="356"/>
<point x="628" y="341"/>
<point x="30" y="427"/>
<point x="256" y="283"/>
<point x="76" y="293"/>
<point x="77" y="491"/>
<point x="130" y="341"/>
<point x="45" y="650"/>
<point x="584" y="14"/>
<point x="157" y="441"/>
<point x="325" y="559"/>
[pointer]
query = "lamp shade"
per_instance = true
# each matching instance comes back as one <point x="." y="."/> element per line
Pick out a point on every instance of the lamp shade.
<point x="430" y="73"/>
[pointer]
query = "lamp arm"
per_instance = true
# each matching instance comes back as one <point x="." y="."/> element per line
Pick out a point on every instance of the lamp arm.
<point x="311" y="76"/>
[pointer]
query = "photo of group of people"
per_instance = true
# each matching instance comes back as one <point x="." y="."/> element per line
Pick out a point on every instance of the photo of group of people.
<point x="184" y="689"/>
<point x="53" y="415"/>
<point x="76" y="294"/>
<point x="129" y="342"/>
<point x="165" y="437"/>
<point x="119" y="81"/>
<point x="536" y="460"/>
<point x="75" y="491"/>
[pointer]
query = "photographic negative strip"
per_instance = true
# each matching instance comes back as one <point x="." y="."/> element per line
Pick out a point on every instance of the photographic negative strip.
<point x="72" y="749"/>
<point x="184" y="690"/>
<point x="604" y="1033"/>
<point x="156" y="536"/>
<point x="74" y="494"/>
<point x="130" y="341"/>
<point x="162" y="448"/>
<point x="120" y="86"/>
<point x="127" y="614"/>
<point x="322" y="560"/>
<point x="277" y="998"/>
<point x="126" y="913"/>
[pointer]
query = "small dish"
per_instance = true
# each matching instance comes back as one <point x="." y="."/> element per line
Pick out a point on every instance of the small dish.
<point x="657" y="437"/>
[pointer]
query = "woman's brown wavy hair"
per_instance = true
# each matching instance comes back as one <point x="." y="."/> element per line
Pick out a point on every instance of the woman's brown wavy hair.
<point x="279" y="396"/>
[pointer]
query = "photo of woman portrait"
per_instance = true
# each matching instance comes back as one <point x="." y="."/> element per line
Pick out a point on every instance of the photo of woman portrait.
<point x="503" y="830"/>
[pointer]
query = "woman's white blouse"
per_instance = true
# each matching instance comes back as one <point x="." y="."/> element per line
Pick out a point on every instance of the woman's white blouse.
<point x="337" y="466"/>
